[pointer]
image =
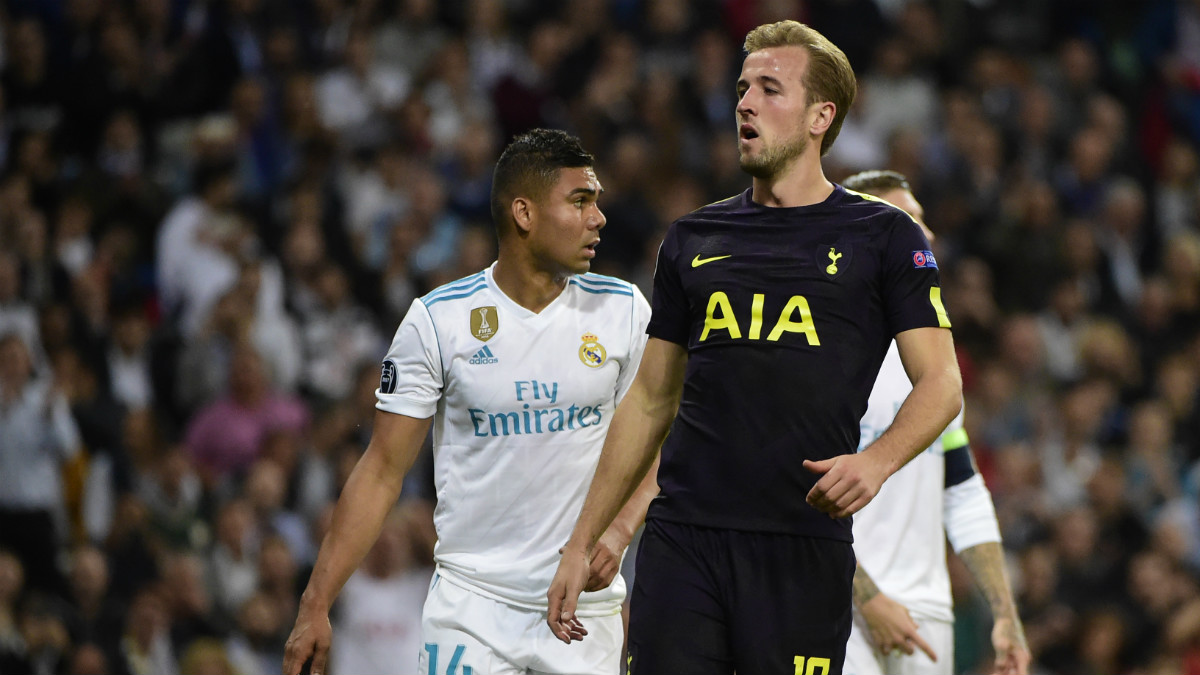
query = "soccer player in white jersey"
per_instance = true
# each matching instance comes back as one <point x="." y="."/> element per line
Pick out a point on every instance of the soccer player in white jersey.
<point x="903" y="619"/>
<point x="518" y="369"/>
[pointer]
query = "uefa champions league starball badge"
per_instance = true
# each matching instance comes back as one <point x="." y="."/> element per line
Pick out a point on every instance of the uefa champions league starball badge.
<point x="592" y="352"/>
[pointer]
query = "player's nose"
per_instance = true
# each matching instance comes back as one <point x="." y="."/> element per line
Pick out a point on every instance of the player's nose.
<point x="745" y="105"/>
<point x="598" y="219"/>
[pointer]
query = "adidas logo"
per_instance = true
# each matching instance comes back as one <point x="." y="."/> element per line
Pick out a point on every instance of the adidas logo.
<point x="482" y="357"/>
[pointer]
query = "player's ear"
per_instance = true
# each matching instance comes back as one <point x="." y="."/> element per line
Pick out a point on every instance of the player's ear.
<point x="822" y="116"/>
<point x="522" y="213"/>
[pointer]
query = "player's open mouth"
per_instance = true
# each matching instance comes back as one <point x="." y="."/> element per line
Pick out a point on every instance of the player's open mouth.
<point x="747" y="132"/>
<point x="591" y="248"/>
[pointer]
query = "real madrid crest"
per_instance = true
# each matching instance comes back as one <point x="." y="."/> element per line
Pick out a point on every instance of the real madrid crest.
<point x="592" y="352"/>
<point x="485" y="322"/>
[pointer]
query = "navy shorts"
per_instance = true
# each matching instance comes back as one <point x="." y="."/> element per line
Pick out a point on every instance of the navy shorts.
<point x="713" y="601"/>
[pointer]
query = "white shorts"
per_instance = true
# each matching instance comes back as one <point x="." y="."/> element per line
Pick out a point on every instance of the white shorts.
<point x="466" y="633"/>
<point x="863" y="659"/>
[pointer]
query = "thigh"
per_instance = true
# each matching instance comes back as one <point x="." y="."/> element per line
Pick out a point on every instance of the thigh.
<point x="861" y="655"/>
<point x="792" y="603"/>
<point x="940" y="636"/>
<point x="677" y="622"/>
<point x="465" y="633"/>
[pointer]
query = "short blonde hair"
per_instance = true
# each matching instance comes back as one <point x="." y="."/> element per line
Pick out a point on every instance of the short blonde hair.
<point x="829" y="76"/>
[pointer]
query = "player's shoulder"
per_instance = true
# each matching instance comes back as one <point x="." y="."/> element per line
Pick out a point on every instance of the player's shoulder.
<point x="459" y="290"/>
<point x="721" y="206"/>
<point x="717" y="216"/>
<point x="869" y="207"/>
<point x="600" y="284"/>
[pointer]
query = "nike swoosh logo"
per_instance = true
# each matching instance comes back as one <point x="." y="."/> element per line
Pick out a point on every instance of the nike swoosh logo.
<point x="698" y="261"/>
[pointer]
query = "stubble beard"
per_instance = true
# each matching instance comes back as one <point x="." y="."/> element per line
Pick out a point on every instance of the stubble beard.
<point x="773" y="159"/>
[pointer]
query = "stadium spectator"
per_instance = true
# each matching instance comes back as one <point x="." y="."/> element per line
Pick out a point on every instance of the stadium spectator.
<point x="37" y="436"/>
<point x="226" y="436"/>
<point x="378" y="615"/>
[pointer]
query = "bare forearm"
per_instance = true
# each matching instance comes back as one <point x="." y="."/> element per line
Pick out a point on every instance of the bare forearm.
<point x="934" y="401"/>
<point x="365" y="502"/>
<point x="633" y="514"/>
<point x="864" y="586"/>
<point x="986" y="565"/>
<point x="630" y="449"/>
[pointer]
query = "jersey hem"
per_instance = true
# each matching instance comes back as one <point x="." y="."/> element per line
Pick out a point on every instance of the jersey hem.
<point x="404" y="407"/>
<point x="741" y="525"/>
<point x="655" y="332"/>
<point x="913" y="325"/>
<point x="585" y="609"/>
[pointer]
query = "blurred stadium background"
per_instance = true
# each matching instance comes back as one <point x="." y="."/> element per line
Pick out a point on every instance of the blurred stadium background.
<point x="213" y="214"/>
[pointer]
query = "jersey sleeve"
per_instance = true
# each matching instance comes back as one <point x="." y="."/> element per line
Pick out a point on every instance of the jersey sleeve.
<point x="411" y="379"/>
<point x="968" y="514"/>
<point x="911" y="289"/>
<point x="637" y="342"/>
<point x="669" y="319"/>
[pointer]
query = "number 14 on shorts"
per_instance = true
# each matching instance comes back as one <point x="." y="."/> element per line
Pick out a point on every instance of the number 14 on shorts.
<point x="452" y="667"/>
<point x="811" y="666"/>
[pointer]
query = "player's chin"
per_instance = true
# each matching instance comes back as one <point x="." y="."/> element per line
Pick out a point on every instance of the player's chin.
<point x="583" y="263"/>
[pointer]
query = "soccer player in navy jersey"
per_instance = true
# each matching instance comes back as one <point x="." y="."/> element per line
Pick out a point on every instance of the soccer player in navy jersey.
<point x="772" y="311"/>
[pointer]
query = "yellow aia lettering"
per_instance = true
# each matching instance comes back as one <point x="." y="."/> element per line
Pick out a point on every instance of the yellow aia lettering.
<point x="796" y="317"/>
<point x="727" y="321"/>
<point x="813" y="664"/>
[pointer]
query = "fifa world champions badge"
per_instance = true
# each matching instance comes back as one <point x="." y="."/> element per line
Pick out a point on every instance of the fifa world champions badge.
<point x="484" y="322"/>
<point x="592" y="352"/>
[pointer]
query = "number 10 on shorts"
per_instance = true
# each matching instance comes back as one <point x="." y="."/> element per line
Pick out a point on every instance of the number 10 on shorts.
<point x="452" y="667"/>
<point x="815" y="666"/>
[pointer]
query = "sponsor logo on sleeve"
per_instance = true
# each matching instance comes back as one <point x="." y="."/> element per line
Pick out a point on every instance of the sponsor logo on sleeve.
<point x="924" y="259"/>
<point x="387" y="378"/>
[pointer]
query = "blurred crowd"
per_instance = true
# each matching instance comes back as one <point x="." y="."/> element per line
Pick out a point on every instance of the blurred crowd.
<point x="214" y="213"/>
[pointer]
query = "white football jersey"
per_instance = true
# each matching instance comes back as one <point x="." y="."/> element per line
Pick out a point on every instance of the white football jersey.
<point x="521" y="404"/>
<point x="899" y="537"/>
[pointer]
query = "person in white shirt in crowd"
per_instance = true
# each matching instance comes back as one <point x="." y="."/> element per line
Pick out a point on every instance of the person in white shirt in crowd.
<point x="37" y="436"/>
<point x="377" y="623"/>
<point x="517" y="369"/>
<point x="16" y="315"/>
<point x="129" y="358"/>
<point x="193" y="260"/>
<point x="903" y="612"/>
<point x="336" y="337"/>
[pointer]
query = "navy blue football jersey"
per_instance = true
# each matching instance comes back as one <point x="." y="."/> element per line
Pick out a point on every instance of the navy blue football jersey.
<point x="786" y="314"/>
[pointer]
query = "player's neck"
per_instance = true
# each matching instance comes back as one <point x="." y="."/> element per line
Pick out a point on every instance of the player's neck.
<point x="525" y="284"/>
<point x="803" y="183"/>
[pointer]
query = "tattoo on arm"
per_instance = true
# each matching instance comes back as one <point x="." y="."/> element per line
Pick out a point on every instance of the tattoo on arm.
<point x="986" y="564"/>
<point x="864" y="586"/>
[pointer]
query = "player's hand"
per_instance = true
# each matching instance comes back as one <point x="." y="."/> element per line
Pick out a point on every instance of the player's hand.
<point x="892" y="627"/>
<point x="1012" y="653"/>
<point x="569" y="581"/>
<point x="310" y="637"/>
<point x="849" y="483"/>
<point x="606" y="559"/>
